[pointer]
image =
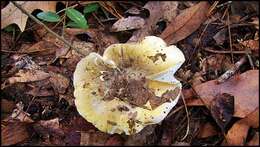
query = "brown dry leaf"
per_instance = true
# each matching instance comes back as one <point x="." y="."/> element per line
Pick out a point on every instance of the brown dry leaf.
<point x="244" y="88"/>
<point x="221" y="36"/>
<point x="24" y="76"/>
<point x="207" y="130"/>
<point x="48" y="127"/>
<point x="10" y="14"/>
<point x="255" y="22"/>
<point x="19" y="114"/>
<point x="190" y="98"/>
<point x="186" y="23"/>
<point x="95" y="138"/>
<point x="222" y="109"/>
<point x="251" y="44"/>
<point x="38" y="91"/>
<point x="7" y="106"/>
<point x="194" y="102"/>
<point x="254" y="141"/>
<point x="129" y="23"/>
<point x="252" y="119"/>
<point x="169" y="9"/>
<point x="13" y="132"/>
<point x="237" y="134"/>
<point x="60" y="83"/>
<point x="95" y="35"/>
<point x="145" y="137"/>
<point x="41" y="47"/>
<point x="50" y="132"/>
<point x="115" y="140"/>
<point x="156" y="13"/>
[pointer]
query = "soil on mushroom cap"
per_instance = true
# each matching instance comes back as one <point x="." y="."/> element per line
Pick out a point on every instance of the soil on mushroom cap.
<point x="134" y="90"/>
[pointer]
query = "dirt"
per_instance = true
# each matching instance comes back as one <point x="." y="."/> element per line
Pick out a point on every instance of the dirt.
<point x="156" y="57"/>
<point x="134" y="90"/>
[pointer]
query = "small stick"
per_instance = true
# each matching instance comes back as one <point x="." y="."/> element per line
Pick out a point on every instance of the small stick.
<point x="230" y="40"/>
<point x="188" y="118"/>
<point x="226" y="3"/>
<point x="49" y="30"/>
<point x="224" y="52"/>
<point x="229" y="73"/>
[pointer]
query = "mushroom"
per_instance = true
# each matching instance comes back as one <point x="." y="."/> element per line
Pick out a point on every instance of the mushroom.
<point x="129" y="87"/>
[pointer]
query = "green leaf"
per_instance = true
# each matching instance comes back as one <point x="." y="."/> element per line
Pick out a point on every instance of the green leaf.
<point x="74" y="25"/>
<point x="77" y="17"/>
<point x="90" y="8"/>
<point x="49" y="16"/>
<point x="10" y="28"/>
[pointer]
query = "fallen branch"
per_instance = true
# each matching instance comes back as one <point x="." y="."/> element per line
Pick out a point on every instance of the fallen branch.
<point x="48" y="29"/>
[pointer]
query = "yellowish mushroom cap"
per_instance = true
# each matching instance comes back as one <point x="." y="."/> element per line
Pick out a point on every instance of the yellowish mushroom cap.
<point x="114" y="111"/>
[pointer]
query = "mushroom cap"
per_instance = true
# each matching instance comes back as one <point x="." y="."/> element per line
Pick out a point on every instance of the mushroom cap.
<point x="150" y="57"/>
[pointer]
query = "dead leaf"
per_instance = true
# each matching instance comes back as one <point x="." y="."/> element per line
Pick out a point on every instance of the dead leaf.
<point x="156" y="14"/>
<point x="7" y="106"/>
<point x="24" y="76"/>
<point x="197" y="79"/>
<point x="25" y="62"/>
<point x="41" y="47"/>
<point x="207" y="130"/>
<point x="169" y="9"/>
<point x="144" y="137"/>
<point x="237" y="134"/>
<point x="129" y="23"/>
<point x="185" y="23"/>
<point x="6" y="41"/>
<point x="13" y="133"/>
<point x="115" y="140"/>
<point x="245" y="90"/>
<point x="220" y="37"/>
<point x="251" y="44"/>
<point x="190" y="98"/>
<point x="60" y="83"/>
<point x="95" y="35"/>
<point x="19" y="114"/>
<point x="46" y="127"/>
<point x="222" y="109"/>
<point x="255" y="22"/>
<point x="10" y="14"/>
<point x="254" y="141"/>
<point x="194" y="102"/>
<point x="252" y="119"/>
<point x="38" y="91"/>
<point x="95" y="138"/>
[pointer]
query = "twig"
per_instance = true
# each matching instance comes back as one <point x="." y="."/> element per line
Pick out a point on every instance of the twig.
<point x="229" y="73"/>
<point x="198" y="42"/>
<point x="64" y="22"/>
<point x="175" y="111"/>
<point x="98" y="19"/>
<point x="224" y="52"/>
<point x="188" y="118"/>
<point x="226" y="3"/>
<point x="212" y="8"/>
<point x="250" y="60"/>
<point x="49" y="30"/>
<point x="230" y="39"/>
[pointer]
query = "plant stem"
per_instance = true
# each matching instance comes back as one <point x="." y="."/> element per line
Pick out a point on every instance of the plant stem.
<point x="48" y="29"/>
